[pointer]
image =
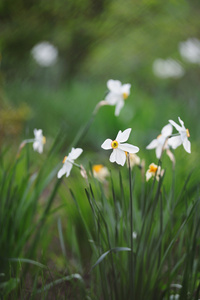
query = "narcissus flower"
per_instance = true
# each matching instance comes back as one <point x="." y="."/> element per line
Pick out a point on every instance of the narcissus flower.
<point x="39" y="140"/>
<point x="69" y="161"/>
<point x="153" y="171"/>
<point x="176" y="141"/>
<point x="100" y="172"/>
<point x="134" y="160"/>
<point x="161" y="142"/>
<point x="117" y="94"/>
<point x="118" y="155"/>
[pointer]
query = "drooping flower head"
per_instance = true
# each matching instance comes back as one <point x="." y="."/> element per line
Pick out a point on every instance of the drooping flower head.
<point x="119" y="147"/>
<point x="39" y="140"/>
<point x="182" y="138"/>
<point x="153" y="171"/>
<point x="100" y="172"/>
<point x="161" y="142"/>
<point x="117" y="94"/>
<point x="68" y="162"/>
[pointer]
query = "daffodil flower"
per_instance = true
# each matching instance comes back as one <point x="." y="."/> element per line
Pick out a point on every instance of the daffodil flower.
<point x="134" y="160"/>
<point x="119" y="147"/>
<point x="117" y="94"/>
<point x="39" y="141"/>
<point x="153" y="171"/>
<point x="161" y="142"/>
<point x="68" y="162"/>
<point x="182" y="138"/>
<point x="100" y="172"/>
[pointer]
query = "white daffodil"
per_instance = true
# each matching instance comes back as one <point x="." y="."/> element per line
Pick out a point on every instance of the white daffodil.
<point x="118" y="155"/>
<point x="134" y="160"/>
<point x="39" y="141"/>
<point x="176" y="141"/>
<point x="153" y="171"/>
<point x="100" y="172"/>
<point x="161" y="142"/>
<point x="117" y="94"/>
<point x="68" y="162"/>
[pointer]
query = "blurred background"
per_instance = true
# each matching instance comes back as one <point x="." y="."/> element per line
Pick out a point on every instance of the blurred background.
<point x="56" y="58"/>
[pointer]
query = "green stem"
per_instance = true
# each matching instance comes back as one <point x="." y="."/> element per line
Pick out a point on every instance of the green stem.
<point x="82" y="132"/>
<point x="131" y="229"/>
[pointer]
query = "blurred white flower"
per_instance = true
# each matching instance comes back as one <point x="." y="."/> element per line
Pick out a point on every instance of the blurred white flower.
<point x="190" y="50"/>
<point x="182" y="138"/>
<point x="134" y="235"/>
<point x="166" y="68"/>
<point x="69" y="161"/>
<point x="134" y="159"/>
<point x="174" y="297"/>
<point x="117" y="94"/>
<point x="161" y="142"/>
<point x="153" y="171"/>
<point x="118" y="155"/>
<point x="39" y="141"/>
<point x="45" y="54"/>
<point x="100" y="172"/>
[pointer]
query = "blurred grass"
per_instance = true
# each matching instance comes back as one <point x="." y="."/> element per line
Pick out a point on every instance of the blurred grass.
<point x="66" y="109"/>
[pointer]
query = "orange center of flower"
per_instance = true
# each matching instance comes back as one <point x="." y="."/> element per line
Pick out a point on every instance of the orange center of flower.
<point x="64" y="159"/>
<point x="153" y="168"/>
<point x="159" y="136"/>
<point x="114" y="144"/>
<point x="125" y="96"/>
<point x="97" y="168"/>
<point x="43" y="140"/>
<point x="187" y="131"/>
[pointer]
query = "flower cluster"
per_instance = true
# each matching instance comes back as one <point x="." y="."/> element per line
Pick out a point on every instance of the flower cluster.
<point x="166" y="140"/>
<point x="122" y="151"/>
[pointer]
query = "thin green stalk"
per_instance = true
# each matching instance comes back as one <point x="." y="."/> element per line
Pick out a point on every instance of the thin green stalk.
<point x="109" y="242"/>
<point x="131" y="229"/>
<point x="116" y="212"/>
<point x="84" y="129"/>
<point x="161" y="229"/>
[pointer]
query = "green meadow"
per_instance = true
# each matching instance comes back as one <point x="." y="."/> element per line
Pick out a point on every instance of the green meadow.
<point x="102" y="230"/>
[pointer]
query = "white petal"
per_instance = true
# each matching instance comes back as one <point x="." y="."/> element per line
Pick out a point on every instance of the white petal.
<point x="118" y="156"/>
<point x="61" y="172"/>
<point x="153" y="144"/>
<point x="148" y="175"/>
<point x="123" y="136"/>
<point x="113" y="156"/>
<point x="119" y="106"/>
<point x="159" y="151"/>
<point x="37" y="146"/>
<point x="167" y="130"/>
<point x="178" y="128"/>
<point x="113" y="98"/>
<point x="37" y="132"/>
<point x="128" y="148"/>
<point x="68" y="167"/>
<point x="175" y="141"/>
<point x="181" y="122"/>
<point x="114" y="86"/>
<point x="126" y="88"/>
<point x="187" y="145"/>
<point x="75" y="153"/>
<point x="107" y="144"/>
